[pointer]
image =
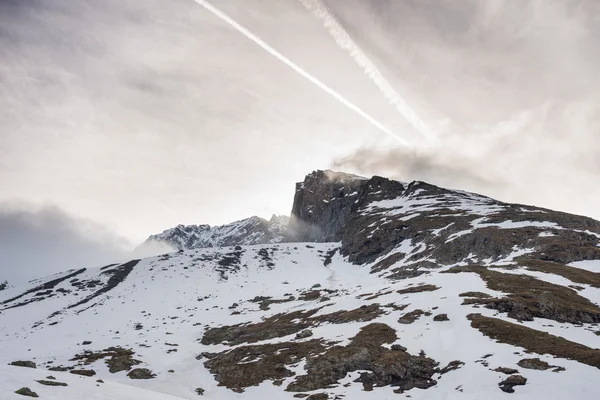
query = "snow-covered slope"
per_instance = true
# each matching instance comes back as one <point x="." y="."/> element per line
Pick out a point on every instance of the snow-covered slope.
<point x="249" y="231"/>
<point x="427" y="292"/>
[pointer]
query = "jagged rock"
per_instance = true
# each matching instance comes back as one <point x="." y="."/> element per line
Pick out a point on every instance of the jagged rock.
<point x="397" y="347"/>
<point x="86" y="342"/>
<point x="322" y="204"/>
<point x="199" y="391"/>
<point x="140" y="373"/>
<point x="509" y="383"/>
<point x="249" y="231"/>
<point x="26" y="364"/>
<point x="25" y="391"/>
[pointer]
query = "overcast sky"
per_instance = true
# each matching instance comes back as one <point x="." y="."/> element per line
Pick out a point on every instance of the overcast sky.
<point x="133" y="116"/>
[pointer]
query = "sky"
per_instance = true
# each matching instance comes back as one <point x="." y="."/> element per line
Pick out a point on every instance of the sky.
<point x="122" y="118"/>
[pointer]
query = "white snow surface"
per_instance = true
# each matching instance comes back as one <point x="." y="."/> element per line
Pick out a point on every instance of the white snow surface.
<point x="176" y="297"/>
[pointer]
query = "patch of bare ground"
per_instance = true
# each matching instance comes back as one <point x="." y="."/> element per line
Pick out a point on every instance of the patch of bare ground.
<point x="119" y="359"/>
<point x="365" y="352"/>
<point x="477" y="295"/>
<point x="418" y="289"/>
<point x="412" y="316"/>
<point x="534" y="341"/>
<point x="529" y="297"/>
<point x="360" y="314"/>
<point x="452" y="366"/>
<point x="373" y="296"/>
<point x="507" y="371"/>
<point x="509" y="383"/>
<point x="264" y="303"/>
<point x="276" y="326"/>
<point x="251" y="365"/>
<point x="286" y="324"/>
<point x="536" y="363"/>
<point x="573" y="274"/>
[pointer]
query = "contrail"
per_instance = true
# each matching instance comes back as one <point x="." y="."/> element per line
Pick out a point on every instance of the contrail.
<point x="344" y="40"/>
<point x="299" y="70"/>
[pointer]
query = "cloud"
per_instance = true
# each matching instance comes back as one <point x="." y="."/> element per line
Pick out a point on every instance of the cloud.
<point x="511" y="87"/>
<point x="38" y="241"/>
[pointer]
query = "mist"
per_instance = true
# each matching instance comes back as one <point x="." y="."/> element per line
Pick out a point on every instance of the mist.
<point x="37" y="241"/>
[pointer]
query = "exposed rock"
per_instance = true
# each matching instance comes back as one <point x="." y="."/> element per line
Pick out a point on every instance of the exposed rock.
<point x="26" y="364"/>
<point x="245" y="366"/>
<point x="536" y="363"/>
<point x="249" y="231"/>
<point x="534" y="341"/>
<point x="304" y="334"/>
<point x="361" y="314"/>
<point x="322" y="204"/>
<point x="397" y="347"/>
<point x="318" y="396"/>
<point x="441" y="317"/>
<point x="119" y="359"/>
<point x="83" y="372"/>
<point x="479" y="295"/>
<point x="25" y="391"/>
<point x="86" y="342"/>
<point x="199" y="391"/>
<point x="116" y="276"/>
<point x="452" y="366"/>
<point x="411" y="316"/>
<point x="51" y="383"/>
<point x="530" y="297"/>
<point x="140" y="373"/>
<point x="366" y="353"/>
<point x="250" y="365"/>
<point x="507" y="371"/>
<point x="418" y="289"/>
<point x="276" y="326"/>
<point x="509" y="383"/>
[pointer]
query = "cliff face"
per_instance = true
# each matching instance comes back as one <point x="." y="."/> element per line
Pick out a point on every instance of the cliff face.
<point x="428" y="226"/>
<point x="322" y="204"/>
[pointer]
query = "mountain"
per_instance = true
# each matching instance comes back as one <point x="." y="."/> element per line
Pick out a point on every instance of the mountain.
<point x="378" y="289"/>
<point x="249" y="231"/>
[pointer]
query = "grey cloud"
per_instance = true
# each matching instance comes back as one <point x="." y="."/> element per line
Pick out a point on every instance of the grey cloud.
<point x="516" y="81"/>
<point x="35" y="242"/>
<point x="405" y="164"/>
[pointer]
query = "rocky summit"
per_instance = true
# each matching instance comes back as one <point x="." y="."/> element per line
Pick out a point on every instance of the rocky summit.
<point x="372" y="289"/>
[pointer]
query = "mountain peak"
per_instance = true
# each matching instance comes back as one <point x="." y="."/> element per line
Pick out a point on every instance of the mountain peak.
<point x="402" y="266"/>
<point x="252" y="230"/>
